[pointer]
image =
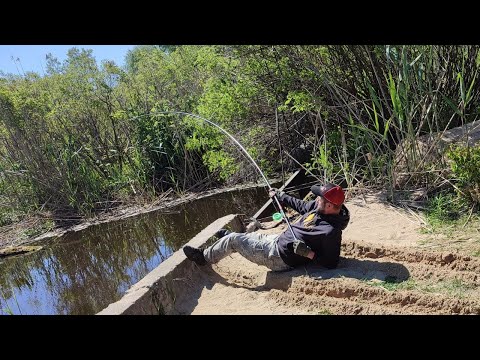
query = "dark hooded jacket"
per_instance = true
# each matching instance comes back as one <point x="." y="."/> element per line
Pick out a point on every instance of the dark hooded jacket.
<point x="322" y="233"/>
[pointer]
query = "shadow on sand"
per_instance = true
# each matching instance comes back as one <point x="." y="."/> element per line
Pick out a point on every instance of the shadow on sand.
<point x="347" y="268"/>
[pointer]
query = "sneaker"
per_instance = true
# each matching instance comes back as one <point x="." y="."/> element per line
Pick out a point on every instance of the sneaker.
<point x="222" y="232"/>
<point x="195" y="255"/>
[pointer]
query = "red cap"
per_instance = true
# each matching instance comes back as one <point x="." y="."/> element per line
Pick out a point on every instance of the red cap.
<point x="330" y="192"/>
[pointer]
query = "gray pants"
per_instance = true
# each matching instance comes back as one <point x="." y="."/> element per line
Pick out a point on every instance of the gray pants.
<point x="260" y="249"/>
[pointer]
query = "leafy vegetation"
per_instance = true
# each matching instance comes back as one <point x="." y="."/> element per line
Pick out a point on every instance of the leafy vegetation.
<point x="86" y="137"/>
<point x="443" y="209"/>
<point x="465" y="165"/>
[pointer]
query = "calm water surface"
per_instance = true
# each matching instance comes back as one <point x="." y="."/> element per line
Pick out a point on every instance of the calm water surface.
<point x="83" y="272"/>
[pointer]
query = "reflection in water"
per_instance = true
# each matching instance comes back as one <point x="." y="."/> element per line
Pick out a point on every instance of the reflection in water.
<point x="83" y="272"/>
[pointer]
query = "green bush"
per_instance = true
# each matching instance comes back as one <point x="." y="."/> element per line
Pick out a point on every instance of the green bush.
<point x="465" y="165"/>
<point x="443" y="208"/>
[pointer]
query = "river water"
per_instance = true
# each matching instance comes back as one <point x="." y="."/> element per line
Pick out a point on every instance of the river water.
<point x="83" y="272"/>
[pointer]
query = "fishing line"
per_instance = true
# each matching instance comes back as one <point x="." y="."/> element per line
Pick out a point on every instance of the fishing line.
<point x="245" y="152"/>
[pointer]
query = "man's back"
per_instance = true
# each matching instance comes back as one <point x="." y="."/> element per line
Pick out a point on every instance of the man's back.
<point x="321" y="232"/>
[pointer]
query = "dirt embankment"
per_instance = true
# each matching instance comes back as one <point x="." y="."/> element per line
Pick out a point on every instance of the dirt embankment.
<point x="385" y="269"/>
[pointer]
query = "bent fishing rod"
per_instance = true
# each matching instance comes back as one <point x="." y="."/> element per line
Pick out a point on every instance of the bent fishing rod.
<point x="245" y="152"/>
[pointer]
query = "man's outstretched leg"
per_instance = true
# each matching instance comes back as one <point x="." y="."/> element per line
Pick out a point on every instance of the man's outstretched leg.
<point x="260" y="249"/>
<point x="196" y="255"/>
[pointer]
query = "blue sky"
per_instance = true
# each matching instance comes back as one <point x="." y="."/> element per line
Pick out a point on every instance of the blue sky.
<point x="32" y="57"/>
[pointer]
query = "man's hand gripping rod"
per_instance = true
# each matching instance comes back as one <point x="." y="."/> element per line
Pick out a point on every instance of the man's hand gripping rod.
<point x="282" y="212"/>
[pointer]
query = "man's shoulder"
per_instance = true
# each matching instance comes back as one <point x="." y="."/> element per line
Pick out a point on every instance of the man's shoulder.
<point x="328" y="226"/>
<point x="325" y="224"/>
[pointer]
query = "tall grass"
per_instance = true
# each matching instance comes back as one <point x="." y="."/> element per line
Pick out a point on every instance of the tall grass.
<point x="373" y="103"/>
